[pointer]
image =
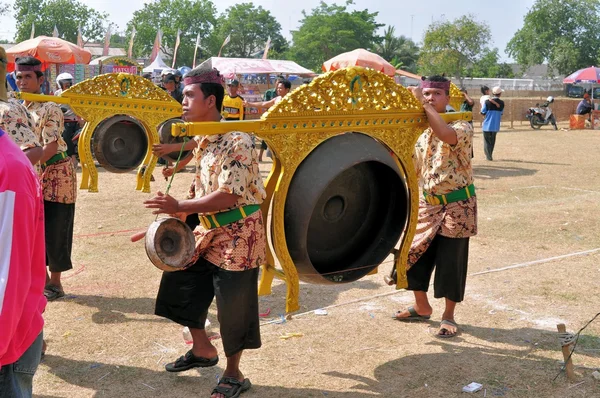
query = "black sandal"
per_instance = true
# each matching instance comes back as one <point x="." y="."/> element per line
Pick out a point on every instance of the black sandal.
<point x="189" y="361"/>
<point x="237" y="387"/>
<point x="53" y="292"/>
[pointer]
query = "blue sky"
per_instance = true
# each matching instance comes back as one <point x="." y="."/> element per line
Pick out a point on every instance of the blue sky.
<point x="410" y="18"/>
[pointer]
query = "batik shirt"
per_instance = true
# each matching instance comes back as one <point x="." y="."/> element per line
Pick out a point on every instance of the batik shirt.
<point x="443" y="168"/>
<point x="229" y="163"/>
<point x="59" y="180"/>
<point x="17" y="122"/>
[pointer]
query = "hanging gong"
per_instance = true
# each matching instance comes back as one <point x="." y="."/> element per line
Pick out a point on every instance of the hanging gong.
<point x="164" y="133"/>
<point x="170" y="244"/>
<point x="346" y="208"/>
<point x="120" y="143"/>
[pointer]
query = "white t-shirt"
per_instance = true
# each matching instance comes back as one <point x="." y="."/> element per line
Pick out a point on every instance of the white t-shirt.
<point x="483" y="99"/>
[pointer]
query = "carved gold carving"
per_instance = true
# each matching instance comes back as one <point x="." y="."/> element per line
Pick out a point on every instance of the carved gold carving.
<point x="114" y="94"/>
<point x="348" y="100"/>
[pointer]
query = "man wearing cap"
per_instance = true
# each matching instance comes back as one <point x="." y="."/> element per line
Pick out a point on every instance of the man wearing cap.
<point x="230" y="241"/>
<point x="16" y="121"/>
<point x="59" y="181"/>
<point x="492" y="109"/>
<point x="233" y="104"/>
<point x="447" y="211"/>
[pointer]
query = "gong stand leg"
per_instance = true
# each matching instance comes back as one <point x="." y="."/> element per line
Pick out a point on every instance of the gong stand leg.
<point x="89" y="179"/>
<point x="267" y="275"/>
<point x="146" y="169"/>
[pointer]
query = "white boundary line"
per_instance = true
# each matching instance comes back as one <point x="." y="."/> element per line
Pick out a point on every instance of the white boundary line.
<point x="521" y="265"/>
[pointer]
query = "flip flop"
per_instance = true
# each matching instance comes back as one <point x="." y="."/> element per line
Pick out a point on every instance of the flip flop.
<point x="189" y="361"/>
<point x="53" y="292"/>
<point x="414" y="316"/>
<point x="237" y="387"/>
<point x="447" y="334"/>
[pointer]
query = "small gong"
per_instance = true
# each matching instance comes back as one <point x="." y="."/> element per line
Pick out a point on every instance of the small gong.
<point x="170" y="244"/>
<point x="164" y="133"/>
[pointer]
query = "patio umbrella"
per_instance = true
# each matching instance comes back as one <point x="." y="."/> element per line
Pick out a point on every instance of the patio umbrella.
<point x="586" y="75"/>
<point x="359" y="57"/>
<point x="49" y="50"/>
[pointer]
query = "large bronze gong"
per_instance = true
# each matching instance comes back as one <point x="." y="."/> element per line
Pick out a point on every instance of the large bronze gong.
<point x="345" y="210"/>
<point x="164" y="132"/>
<point x="120" y="143"/>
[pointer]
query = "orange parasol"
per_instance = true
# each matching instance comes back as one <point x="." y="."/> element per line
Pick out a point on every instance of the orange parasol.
<point x="49" y="50"/>
<point x="359" y="57"/>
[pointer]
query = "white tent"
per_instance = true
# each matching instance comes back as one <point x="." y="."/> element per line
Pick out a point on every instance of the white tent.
<point x="157" y="65"/>
<point x="229" y="67"/>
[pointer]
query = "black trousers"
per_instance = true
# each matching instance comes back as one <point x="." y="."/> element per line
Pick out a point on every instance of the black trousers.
<point x="185" y="296"/>
<point x="71" y="129"/>
<point x="58" y="224"/>
<point x="449" y="257"/>
<point x="489" y="141"/>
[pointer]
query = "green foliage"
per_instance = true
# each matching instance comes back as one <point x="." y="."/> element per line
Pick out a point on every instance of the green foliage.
<point x="249" y="27"/>
<point x="400" y="51"/>
<point x="330" y="30"/>
<point x="488" y="66"/>
<point x="66" y="15"/>
<point x="563" y="33"/>
<point x="450" y="47"/>
<point x="191" y="17"/>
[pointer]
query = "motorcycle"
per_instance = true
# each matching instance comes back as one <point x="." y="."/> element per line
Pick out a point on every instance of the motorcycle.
<point x="541" y="115"/>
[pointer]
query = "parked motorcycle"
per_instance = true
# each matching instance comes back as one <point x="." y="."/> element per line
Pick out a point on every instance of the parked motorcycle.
<point x="541" y="115"/>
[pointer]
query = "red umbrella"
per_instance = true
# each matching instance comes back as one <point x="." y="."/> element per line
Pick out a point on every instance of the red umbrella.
<point x="587" y="75"/>
<point x="49" y="50"/>
<point x="359" y="57"/>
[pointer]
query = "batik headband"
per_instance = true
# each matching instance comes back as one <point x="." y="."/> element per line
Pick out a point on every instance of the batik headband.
<point x="441" y="85"/>
<point x="208" y="77"/>
<point x="28" y="68"/>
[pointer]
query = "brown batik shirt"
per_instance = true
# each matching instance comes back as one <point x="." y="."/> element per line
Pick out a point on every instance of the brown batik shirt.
<point x="443" y="168"/>
<point x="229" y="163"/>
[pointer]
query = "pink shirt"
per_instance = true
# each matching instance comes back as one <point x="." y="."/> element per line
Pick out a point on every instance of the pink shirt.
<point x="22" y="253"/>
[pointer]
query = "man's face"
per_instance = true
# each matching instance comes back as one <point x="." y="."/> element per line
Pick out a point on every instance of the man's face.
<point x="169" y="85"/>
<point x="66" y="84"/>
<point x="28" y="82"/>
<point x="232" y="90"/>
<point x="281" y="90"/>
<point x="197" y="108"/>
<point x="437" y="98"/>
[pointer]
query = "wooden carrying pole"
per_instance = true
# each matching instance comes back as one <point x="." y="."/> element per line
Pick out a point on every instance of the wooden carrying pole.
<point x="566" y="353"/>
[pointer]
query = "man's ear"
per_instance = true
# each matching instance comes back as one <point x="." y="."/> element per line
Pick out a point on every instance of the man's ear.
<point x="41" y="79"/>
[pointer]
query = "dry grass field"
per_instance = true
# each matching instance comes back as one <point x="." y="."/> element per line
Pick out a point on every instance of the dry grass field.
<point x="534" y="264"/>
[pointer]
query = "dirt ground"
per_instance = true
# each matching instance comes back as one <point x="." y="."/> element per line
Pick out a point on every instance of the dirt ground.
<point x="534" y="264"/>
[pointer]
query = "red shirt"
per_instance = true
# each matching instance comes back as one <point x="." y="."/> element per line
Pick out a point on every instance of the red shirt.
<point x="22" y="253"/>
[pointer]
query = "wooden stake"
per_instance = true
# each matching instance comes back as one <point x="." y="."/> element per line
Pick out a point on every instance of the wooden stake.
<point x="566" y="352"/>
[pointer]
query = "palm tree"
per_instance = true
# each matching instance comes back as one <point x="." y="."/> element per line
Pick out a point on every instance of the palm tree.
<point x="401" y="51"/>
<point x="389" y="46"/>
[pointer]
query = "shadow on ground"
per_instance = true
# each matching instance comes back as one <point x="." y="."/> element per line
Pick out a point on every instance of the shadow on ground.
<point x="495" y="172"/>
<point x="450" y="369"/>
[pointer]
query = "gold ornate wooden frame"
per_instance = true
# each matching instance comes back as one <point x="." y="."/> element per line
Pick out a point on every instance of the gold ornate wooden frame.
<point x="348" y="100"/>
<point x="109" y="95"/>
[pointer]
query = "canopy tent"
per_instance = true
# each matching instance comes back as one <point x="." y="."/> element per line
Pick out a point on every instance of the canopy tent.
<point x="49" y="50"/>
<point x="157" y="64"/>
<point x="229" y="67"/>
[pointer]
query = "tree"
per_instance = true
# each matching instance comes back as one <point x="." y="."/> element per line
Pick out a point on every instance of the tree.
<point x="330" y="30"/>
<point x="488" y="66"/>
<point x="563" y="33"/>
<point x="190" y="17"/>
<point x="249" y="28"/>
<point x="66" y="15"/>
<point x="400" y="51"/>
<point x="450" y="47"/>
